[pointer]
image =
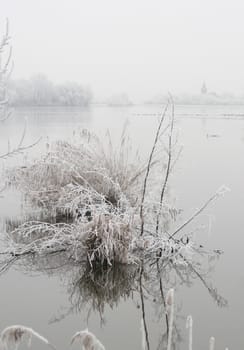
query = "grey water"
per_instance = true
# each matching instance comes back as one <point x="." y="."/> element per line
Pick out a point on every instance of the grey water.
<point x="213" y="155"/>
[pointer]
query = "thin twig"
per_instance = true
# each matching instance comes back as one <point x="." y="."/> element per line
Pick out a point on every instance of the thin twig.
<point x="19" y="150"/>
<point x="149" y="167"/>
<point x="168" y="167"/>
<point x="199" y="211"/>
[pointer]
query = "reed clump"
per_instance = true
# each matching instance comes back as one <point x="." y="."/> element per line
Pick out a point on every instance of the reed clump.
<point x="84" y="172"/>
<point x="100" y="202"/>
<point x="90" y="194"/>
<point x="97" y="191"/>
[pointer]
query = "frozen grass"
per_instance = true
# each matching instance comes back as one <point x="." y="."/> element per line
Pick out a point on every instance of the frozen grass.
<point x="87" y="340"/>
<point x="99" y="189"/>
<point x="94" y="189"/>
<point x="13" y="336"/>
<point x="105" y="240"/>
<point x="101" y="202"/>
<point x="84" y="172"/>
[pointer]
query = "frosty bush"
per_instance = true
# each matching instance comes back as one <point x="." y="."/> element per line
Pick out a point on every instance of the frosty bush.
<point x="100" y="202"/>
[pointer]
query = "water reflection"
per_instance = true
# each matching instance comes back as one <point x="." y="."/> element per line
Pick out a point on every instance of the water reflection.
<point x="147" y="284"/>
<point x="96" y="289"/>
<point x="93" y="291"/>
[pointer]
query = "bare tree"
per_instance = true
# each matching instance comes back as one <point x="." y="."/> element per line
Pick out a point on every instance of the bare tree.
<point x="6" y="67"/>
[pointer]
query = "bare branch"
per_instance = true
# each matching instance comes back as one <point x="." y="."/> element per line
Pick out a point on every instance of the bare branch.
<point x="219" y="193"/>
<point x="168" y="167"/>
<point x="149" y="167"/>
<point x="19" y="149"/>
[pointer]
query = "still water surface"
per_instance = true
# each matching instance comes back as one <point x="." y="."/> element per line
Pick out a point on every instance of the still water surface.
<point x="213" y="155"/>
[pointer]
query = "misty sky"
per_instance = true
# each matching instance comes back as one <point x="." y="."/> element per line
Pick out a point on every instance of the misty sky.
<point x="135" y="46"/>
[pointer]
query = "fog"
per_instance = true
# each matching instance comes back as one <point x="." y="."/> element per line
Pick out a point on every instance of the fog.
<point x="139" y="47"/>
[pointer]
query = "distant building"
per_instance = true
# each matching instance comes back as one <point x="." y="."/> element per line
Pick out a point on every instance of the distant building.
<point x="204" y="90"/>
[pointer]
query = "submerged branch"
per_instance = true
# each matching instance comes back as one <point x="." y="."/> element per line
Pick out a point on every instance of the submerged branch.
<point x="143" y="310"/>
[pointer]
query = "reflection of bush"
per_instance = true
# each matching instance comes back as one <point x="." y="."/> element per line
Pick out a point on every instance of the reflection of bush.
<point x="103" y="286"/>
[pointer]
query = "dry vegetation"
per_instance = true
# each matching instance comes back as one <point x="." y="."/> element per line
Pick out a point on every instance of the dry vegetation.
<point x="91" y="196"/>
<point x="11" y="337"/>
<point x="101" y="203"/>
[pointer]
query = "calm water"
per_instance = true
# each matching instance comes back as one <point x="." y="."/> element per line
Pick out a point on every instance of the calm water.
<point x="213" y="155"/>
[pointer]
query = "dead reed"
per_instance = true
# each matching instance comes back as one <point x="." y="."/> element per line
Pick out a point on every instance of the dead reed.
<point x="13" y="336"/>
<point x="87" y="340"/>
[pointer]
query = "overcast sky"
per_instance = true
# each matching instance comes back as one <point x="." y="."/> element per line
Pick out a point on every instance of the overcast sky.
<point x="143" y="47"/>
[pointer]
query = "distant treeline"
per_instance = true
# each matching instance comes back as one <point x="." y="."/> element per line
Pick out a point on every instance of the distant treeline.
<point x="40" y="91"/>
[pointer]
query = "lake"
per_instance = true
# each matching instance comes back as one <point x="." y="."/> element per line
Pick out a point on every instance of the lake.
<point x="213" y="155"/>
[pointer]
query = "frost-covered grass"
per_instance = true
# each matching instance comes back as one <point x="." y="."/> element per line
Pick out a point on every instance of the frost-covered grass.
<point x="88" y="340"/>
<point x="11" y="337"/>
<point x="101" y="203"/>
<point x="72" y="175"/>
<point x="97" y="188"/>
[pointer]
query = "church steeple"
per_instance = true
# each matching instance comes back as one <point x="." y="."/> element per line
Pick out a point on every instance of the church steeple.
<point x="204" y="89"/>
